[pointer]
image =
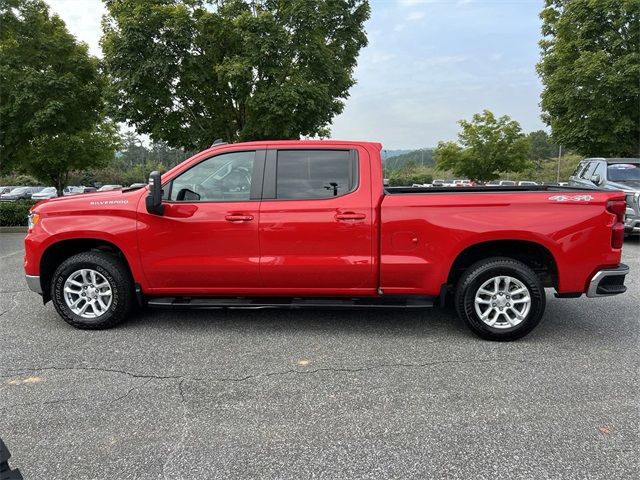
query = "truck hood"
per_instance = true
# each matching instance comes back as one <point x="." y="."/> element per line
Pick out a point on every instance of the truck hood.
<point x="89" y="202"/>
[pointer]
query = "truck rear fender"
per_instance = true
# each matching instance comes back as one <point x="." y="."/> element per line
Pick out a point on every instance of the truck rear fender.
<point x="535" y="255"/>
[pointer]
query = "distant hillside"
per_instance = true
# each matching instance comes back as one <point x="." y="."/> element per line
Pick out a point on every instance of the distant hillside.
<point x="419" y="157"/>
<point x="387" y="154"/>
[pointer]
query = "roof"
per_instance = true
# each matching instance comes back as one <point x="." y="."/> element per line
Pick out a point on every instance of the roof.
<point x="615" y="160"/>
<point x="328" y="142"/>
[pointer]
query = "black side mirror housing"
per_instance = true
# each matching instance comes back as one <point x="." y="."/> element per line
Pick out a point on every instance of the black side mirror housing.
<point x="596" y="179"/>
<point x="154" y="198"/>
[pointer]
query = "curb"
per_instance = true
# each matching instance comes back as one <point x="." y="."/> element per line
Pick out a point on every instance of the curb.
<point x="13" y="229"/>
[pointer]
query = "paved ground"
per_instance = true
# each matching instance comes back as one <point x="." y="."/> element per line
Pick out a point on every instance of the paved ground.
<point x="318" y="394"/>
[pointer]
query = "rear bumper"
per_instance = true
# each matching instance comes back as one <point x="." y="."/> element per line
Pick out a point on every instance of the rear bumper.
<point x="609" y="281"/>
<point x="33" y="282"/>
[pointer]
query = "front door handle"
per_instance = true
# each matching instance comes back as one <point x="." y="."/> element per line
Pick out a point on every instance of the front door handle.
<point x="350" y="216"/>
<point x="237" y="218"/>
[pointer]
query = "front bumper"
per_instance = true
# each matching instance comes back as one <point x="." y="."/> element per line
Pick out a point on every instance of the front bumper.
<point x="33" y="282"/>
<point x="607" y="282"/>
<point x="631" y="225"/>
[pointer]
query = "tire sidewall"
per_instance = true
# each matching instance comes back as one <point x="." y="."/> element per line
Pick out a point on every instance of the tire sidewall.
<point x="484" y="271"/>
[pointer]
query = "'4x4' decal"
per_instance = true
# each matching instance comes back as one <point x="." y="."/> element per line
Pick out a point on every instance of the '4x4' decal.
<point x="571" y="198"/>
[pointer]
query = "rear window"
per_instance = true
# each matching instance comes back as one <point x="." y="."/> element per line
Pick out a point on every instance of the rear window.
<point x="315" y="174"/>
<point x="623" y="172"/>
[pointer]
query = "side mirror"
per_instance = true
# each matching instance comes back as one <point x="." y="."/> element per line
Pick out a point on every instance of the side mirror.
<point x="154" y="198"/>
<point x="596" y="179"/>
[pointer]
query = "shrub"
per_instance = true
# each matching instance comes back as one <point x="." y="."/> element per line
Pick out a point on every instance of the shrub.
<point x="14" y="214"/>
<point x="18" y="179"/>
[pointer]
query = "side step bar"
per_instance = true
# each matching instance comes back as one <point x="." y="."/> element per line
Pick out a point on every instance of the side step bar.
<point x="288" y="302"/>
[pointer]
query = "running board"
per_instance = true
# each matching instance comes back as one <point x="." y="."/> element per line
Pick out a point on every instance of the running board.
<point x="391" y="301"/>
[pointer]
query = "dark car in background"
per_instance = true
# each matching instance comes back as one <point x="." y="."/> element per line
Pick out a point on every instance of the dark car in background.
<point x="613" y="174"/>
<point x="4" y="190"/>
<point x="20" y="193"/>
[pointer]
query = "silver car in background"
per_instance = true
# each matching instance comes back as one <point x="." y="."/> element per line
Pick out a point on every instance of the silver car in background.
<point x="20" y="193"/>
<point x="613" y="174"/>
<point x="49" y="192"/>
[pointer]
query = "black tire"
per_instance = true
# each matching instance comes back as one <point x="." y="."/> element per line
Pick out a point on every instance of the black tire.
<point x="112" y="269"/>
<point x="479" y="273"/>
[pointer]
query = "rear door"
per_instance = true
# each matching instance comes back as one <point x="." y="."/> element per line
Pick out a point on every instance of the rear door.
<point x="316" y="222"/>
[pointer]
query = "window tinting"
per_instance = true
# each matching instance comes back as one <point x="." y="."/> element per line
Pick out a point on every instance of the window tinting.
<point x="309" y="174"/>
<point x="624" y="172"/>
<point x="225" y="177"/>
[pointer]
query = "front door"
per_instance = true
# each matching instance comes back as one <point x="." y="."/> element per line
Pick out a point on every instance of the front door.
<point x="316" y="223"/>
<point x="206" y="242"/>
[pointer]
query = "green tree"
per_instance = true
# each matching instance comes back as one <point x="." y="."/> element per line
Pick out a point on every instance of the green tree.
<point x="590" y="68"/>
<point x="486" y="146"/>
<point x="542" y="147"/>
<point x="189" y="71"/>
<point x="50" y="96"/>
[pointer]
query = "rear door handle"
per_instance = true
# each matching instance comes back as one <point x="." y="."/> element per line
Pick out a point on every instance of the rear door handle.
<point x="350" y="216"/>
<point x="238" y="218"/>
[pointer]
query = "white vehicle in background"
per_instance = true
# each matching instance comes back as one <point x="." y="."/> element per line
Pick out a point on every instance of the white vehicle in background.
<point x="108" y="188"/>
<point x="45" y="193"/>
<point x="72" y="190"/>
<point x="527" y="183"/>
<point x="501" y="183"/>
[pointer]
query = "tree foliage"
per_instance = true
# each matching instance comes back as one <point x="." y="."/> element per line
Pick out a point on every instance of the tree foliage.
<point x="50" y="97"/>
<point x="590" y="69"/>
<point x="189" y="71"/>
<point x="486" y="146"/>
<point x="411" y="173"/>
<point x="542" y="146"/>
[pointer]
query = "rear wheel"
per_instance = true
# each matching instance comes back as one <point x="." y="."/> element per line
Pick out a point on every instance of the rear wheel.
<point x="92" y="290"/>
<point x="500" y="299"/>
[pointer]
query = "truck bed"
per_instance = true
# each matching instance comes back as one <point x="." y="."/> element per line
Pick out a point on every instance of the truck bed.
<point x="484" y="189"/>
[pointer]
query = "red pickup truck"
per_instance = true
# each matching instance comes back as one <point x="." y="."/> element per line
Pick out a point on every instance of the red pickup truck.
<point x="310" y="224"/>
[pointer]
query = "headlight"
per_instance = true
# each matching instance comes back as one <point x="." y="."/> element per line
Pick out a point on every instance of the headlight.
<point x="33" y="219"/>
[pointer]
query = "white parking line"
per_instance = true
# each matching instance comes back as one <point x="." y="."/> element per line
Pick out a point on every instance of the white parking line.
<point x="10" y="254"/>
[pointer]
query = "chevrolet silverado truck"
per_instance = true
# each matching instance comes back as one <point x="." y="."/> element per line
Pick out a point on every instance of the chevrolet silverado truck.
<point x="310" y="224"/>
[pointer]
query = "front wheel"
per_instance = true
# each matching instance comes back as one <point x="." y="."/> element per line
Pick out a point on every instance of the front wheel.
<point x="92" y="290"/>
<point x="500" y="299"/>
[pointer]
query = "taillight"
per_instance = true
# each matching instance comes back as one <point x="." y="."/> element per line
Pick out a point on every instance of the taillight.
<point x="618" y="208"/>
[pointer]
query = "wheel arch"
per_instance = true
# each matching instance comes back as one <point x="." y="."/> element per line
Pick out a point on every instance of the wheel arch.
<point x="533" y="254"/>
<point x="58" y="252"/>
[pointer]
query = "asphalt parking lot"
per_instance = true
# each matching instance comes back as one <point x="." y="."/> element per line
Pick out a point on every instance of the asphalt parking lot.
<point x="318" y="394"/>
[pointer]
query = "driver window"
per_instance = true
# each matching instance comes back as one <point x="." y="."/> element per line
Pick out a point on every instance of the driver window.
<point x="225" y="177"/>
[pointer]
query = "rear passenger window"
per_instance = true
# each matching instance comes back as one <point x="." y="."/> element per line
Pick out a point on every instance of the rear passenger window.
<point x="315" y="174"/>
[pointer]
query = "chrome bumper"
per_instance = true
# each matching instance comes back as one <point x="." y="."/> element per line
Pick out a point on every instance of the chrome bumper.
<point x="608" y="282"/>
<point x="33" y="282"/>
<point x="632" y="225"/>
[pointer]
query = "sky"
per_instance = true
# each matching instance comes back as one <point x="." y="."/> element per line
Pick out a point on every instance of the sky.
<point x="429" y="63"/>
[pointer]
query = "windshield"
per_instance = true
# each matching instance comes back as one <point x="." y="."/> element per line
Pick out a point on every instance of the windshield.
<point x="623" y="172"/>
<point x="48" y="190"/>
<point x="18" y="190"/>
